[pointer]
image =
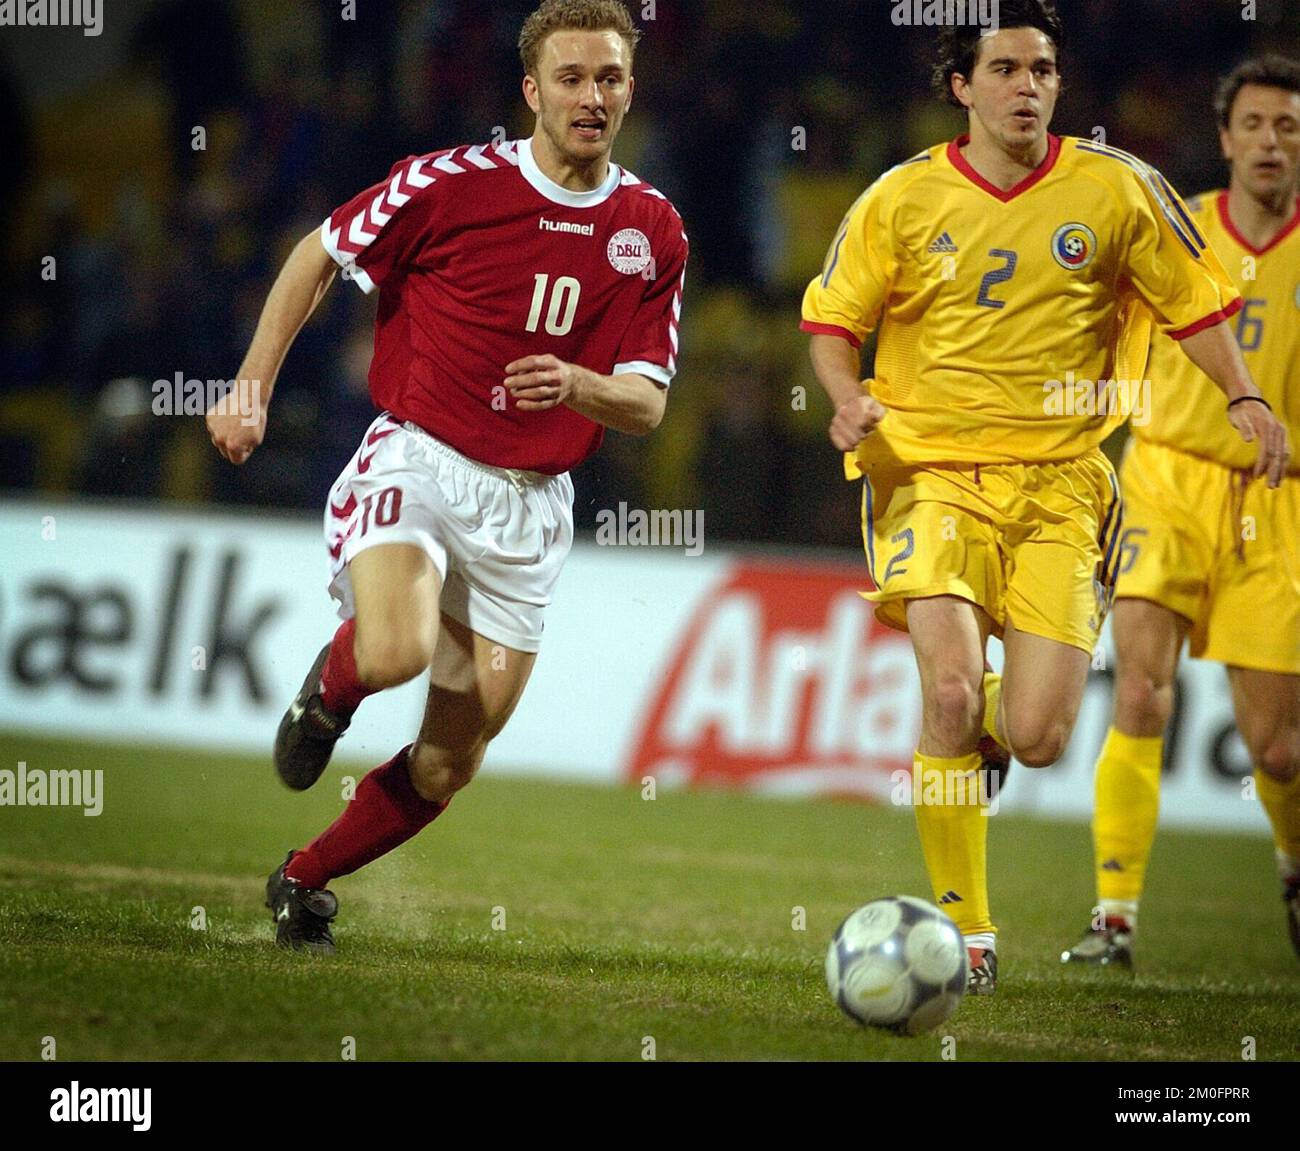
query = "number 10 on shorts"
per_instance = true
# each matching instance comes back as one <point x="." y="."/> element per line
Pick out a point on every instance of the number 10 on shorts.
<point x="387" y="507"/>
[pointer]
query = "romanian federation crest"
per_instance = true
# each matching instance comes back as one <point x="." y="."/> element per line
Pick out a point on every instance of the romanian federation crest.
<point x="1074" y="246"/>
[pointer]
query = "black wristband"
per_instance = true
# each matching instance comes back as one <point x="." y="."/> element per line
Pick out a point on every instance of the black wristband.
<point x="1243" y="399"/>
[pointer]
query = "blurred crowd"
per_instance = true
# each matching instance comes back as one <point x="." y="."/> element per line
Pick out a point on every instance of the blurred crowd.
<point x="149" y="208"/>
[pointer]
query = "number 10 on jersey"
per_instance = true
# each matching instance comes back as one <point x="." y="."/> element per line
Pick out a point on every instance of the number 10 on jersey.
<point x="564" y="304"/>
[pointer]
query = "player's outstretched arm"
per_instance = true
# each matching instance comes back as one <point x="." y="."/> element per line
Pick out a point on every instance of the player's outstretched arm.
<point x="237" y="429"/>
<point x="1216" y="352"/>
<point x="837" y="366"/>
<point x="627" y="402"/>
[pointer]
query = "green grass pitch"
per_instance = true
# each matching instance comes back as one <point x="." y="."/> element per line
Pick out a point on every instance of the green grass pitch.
<point x="624" y="920"/>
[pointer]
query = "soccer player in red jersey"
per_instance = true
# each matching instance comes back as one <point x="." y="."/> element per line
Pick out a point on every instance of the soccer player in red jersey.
<point x="529" y="297"/>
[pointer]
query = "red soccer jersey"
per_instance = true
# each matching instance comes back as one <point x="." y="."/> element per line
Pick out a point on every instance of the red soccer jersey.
<point x="480" y="259"/>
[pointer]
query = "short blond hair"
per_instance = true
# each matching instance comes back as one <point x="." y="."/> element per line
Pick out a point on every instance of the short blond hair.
<point x="580" y="15"/>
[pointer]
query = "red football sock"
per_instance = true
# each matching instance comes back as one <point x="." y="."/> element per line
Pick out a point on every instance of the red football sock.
<point x="341" y="690"/>
<point x="385" y="812"/>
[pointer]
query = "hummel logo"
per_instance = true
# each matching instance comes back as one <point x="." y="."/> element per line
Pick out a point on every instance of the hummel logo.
<point x="545" y="225"/>
<point x="950" y="897"/>
<point x="942" y="244"/>
<point x="284" y="913"/>
<point x="1112" y="865"/>
<point x="295" y="711"/>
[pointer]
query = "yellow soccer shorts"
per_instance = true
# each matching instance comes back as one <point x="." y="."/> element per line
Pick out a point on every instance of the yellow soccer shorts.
<point x="1033" y="544"/>
<point x="1219" y="548"/>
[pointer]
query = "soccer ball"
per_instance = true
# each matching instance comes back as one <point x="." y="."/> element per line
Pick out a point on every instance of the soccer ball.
<point x="897" y="963"/>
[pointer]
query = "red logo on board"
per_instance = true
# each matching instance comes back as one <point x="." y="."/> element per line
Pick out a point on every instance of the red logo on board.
<point x="783" y="682"/>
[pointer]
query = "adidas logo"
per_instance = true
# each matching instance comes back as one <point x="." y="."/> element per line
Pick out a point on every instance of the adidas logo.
<point x="942" y="245"/>
<point x="950" y="897"/>
<point x="1112" y="865"/>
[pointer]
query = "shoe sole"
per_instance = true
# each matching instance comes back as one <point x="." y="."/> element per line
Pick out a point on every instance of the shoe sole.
<point x="294" y="778"/>
<point x="985" y="986"/>
<point x="1123" y="962"/>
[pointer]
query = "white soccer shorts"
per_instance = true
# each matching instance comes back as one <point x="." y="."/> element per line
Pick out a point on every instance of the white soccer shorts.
<point x="497" y="536"/>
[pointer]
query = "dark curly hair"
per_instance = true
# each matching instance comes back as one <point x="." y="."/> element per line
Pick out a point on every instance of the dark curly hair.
<point x="1270" y="71"/>
<point x="959" y="43"/>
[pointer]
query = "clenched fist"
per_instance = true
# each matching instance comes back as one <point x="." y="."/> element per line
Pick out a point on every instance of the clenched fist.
<point x="234" y="434"/>
<point x="855" y="421"/>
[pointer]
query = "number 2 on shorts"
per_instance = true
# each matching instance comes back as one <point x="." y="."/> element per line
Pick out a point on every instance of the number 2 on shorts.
<point x="906" y="553"/>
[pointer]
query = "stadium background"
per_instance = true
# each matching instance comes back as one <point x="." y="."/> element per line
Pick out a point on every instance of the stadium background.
<point x="762" y="123"/>
<point x="165" y="253"/>
<point x="158" y="607"/>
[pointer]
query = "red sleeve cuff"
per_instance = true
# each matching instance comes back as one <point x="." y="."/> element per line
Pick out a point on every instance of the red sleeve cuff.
<point x="830" y="330"/>
<point x="1209" y="321"/>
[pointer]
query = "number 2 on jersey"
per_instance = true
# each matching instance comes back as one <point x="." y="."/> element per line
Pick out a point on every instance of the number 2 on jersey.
<point x="997" y="276"/>
<point x="564" y="304"/>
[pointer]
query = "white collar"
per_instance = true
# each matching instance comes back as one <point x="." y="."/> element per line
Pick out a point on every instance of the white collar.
<point x="554" y="192"/>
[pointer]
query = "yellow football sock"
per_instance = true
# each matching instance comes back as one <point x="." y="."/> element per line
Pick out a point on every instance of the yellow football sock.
<point x="1282" y="802"/>
<point x="992" y="701"/>
<point x="954" y="828"/>
<point x="1124" y="822"/>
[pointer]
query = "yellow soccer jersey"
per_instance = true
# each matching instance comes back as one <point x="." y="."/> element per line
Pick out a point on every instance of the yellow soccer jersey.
<point x="1187" y="410"/>
<point x="998" y="310"/>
